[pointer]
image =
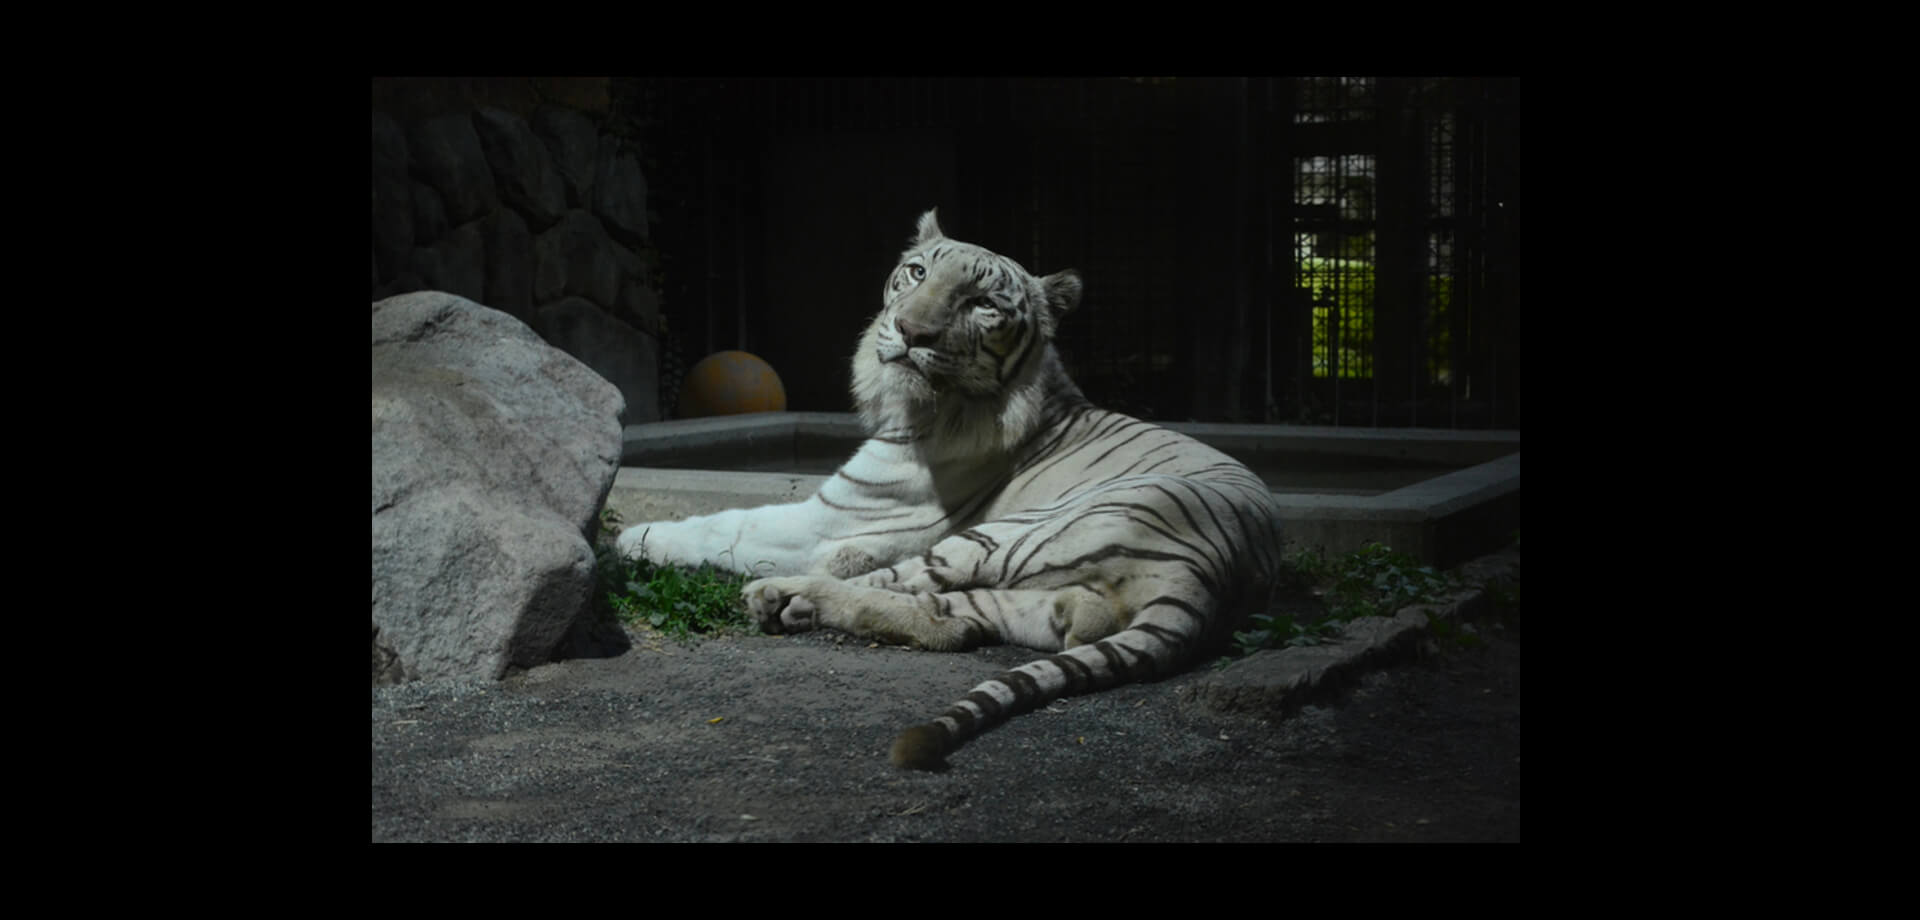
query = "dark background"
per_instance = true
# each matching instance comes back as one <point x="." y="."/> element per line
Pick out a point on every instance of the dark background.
<point x="1328" y="250"/>
<point x="783" y="204"/>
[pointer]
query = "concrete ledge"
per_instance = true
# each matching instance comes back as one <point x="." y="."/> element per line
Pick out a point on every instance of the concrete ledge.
<point x="642" y="494"/>
<point x="752" y="433"/>
<point x="1282" y="680"/>
<point x="1456" y="447"/>
<point x="1442" y="521"/>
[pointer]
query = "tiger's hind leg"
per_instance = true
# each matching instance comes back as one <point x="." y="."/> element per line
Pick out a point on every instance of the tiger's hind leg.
<point x="1043" y="619"/>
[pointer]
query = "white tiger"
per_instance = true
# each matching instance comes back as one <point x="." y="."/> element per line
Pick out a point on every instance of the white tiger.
<point x="993" y="503"/>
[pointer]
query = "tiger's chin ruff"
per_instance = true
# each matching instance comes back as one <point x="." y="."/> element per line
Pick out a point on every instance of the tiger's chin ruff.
<point x="951" y="425"/>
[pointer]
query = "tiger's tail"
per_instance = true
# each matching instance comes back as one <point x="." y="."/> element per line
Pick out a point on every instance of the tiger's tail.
<point x="1135" y="653"/>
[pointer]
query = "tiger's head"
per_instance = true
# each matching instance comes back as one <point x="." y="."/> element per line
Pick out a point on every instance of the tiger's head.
<point x="964" y="339"/>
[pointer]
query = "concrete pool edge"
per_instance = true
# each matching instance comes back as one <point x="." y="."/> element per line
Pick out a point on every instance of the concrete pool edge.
<point x="1438" y="445"/>
<point x="1443" y="520"/>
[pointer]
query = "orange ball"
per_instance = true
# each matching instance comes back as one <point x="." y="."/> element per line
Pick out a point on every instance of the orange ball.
<point x="729" y="383"/>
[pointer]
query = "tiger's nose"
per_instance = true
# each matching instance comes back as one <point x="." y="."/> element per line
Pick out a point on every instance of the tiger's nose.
<point x="915" y="336"/>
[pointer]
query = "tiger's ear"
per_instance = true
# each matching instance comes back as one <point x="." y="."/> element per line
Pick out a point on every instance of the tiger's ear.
<point x="929" y="227"/>
<point x="1062" y="290"/>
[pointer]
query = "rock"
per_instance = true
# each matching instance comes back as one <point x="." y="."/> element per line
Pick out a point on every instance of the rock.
<point x="429" y="215"/>
<point x="620" y="193"/>
<point x="577" y="257"/>
<point x="446" y="152"/>
<point x="627" y="357"/>
<point x="393" y="235"/>
<point x="573" y="143"/>
<point x="1279" y="680"/>
<point x="509" y="249"/>
<point x="639" y="307"/>
<point x="523" y="170"/>
<point x="493" y="453"/>
<point x="457" y="264"/>
<point x="386" y="663"/>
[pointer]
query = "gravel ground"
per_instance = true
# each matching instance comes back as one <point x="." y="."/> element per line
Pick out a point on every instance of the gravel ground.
<point x="761" y="738"/>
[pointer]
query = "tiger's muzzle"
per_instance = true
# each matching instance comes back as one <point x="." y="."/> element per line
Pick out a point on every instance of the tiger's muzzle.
<point x="896" y="351"/>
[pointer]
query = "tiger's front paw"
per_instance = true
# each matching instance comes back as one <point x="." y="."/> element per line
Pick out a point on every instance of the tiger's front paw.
<point x="781" y="605"/>
<point x="632" y="540"/>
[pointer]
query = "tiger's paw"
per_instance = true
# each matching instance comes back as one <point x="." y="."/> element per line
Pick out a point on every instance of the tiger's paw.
<point x="632" y="541"/>
<point x="781" y="605"/>
<point x="848" y="561"/>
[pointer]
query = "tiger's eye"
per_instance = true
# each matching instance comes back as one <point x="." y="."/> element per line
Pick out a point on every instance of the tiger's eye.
<point x="918" y="272"/>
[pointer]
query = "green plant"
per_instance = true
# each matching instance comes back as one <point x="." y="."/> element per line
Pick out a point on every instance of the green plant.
<point x="1370" y="581"/>
<point x="1307" y="565"/>
<point x="1281" y="630"/>
<point x="671" y="599"/>
<point x="1376" y="581"/>
<point x="680" y="602"/>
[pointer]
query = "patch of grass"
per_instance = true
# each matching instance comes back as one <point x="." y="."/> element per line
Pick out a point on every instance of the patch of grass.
<point x="1281" y="630"/>
<point x="1370" y="581"/>
<point x="1376" y="581"/>
<point x="672" y="600"/>
<point x="680" y="602"/>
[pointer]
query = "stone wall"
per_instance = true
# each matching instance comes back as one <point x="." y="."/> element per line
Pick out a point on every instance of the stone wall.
<point x="542" y="215"/>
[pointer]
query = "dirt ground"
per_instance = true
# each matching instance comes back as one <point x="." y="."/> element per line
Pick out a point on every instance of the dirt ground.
<point x="762" y="738"/>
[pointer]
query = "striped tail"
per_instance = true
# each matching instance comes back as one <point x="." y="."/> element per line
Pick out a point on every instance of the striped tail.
<point x="1129" y="655"/>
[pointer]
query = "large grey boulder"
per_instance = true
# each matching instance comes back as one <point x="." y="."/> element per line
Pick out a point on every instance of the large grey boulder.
<point x="493" y="453"/>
